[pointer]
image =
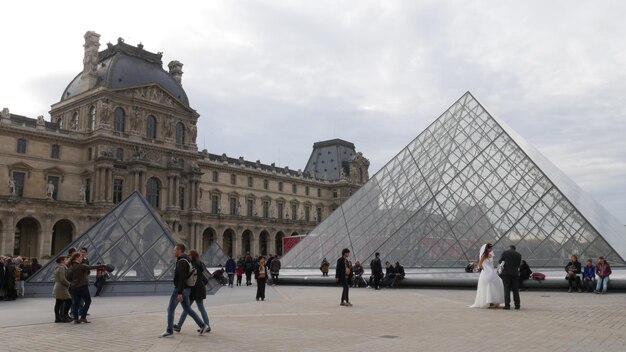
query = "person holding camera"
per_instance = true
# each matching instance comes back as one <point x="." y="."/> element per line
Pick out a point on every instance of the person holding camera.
<point x="573" y="270"/>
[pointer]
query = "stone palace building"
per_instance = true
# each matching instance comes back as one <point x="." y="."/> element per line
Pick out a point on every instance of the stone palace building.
<point x="126" y="124"/>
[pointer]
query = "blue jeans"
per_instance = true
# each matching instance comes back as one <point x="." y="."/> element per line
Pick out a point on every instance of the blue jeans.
<point x="602" y="283"/>
<point x="200" y="304"/>
<point x="186" y="307"/>
<point x="80" y="294"/>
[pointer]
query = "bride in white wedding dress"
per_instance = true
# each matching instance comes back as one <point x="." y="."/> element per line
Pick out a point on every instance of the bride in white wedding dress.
<point x="490" y="292"/>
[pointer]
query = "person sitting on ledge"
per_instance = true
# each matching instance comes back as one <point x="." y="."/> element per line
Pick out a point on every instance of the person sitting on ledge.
<point x="390" y="274"/>
<point x="524" y="273"/>
<point x="398" y="274"/>
<point x="603" y="271"/>
<point x="589" y="276"/>
<point x="573" y="270"/>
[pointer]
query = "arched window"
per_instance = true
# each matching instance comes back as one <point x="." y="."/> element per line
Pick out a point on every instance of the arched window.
<point x="151" y="127"/>
<point x="120" y="117"/>
<point x="91" y="119"/>
<point x="152" y="192"/>
<point x="180" y="133"/>
<point x="60" y="122"/>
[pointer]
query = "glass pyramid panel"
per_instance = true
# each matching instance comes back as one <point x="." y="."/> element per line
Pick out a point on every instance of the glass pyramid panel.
<point x="466" y="180"/>
<point x="214" y="256"/>
<point x="132" y="238"/>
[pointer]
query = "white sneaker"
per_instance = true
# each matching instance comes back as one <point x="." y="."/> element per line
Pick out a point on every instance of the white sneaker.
<point x="167" y="334"/>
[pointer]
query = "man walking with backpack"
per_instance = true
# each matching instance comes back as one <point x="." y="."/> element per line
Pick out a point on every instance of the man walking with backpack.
<point x="185" y="277"/>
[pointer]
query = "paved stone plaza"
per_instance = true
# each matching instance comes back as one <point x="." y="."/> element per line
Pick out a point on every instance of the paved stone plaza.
<point x="295" y="318"/>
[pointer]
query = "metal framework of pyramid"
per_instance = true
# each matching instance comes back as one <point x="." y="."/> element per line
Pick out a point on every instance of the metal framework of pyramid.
<point x="466" y="180"/>
<point x="214" y="256"/>
<point x="134" y="239"/>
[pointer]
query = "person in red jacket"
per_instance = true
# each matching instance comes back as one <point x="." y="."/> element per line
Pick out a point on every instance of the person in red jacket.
<point x="239" y="273"/>
<point x="603" y="271"/>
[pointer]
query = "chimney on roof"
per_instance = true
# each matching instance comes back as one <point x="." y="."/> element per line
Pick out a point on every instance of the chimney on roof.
<point x="90" y="61"/>
<point x="176" y="70"/>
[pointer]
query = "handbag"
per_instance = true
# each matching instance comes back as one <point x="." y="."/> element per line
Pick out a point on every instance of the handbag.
<point x="500" y="268"/>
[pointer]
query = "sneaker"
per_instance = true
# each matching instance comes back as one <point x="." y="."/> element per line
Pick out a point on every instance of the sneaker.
<point x="569" y="290"/>
<point x="596" y="292"/>
<point x="204" y="329"/>
<point x="207" y="330"/>
<point x="348" y="304"/>
<point x="343" y="304"/>
<point x="167" y="334"/>
<point x="176" y="328"/>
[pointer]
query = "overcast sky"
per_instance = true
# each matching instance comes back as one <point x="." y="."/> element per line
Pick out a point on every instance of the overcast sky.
<point x="270" y="78"/>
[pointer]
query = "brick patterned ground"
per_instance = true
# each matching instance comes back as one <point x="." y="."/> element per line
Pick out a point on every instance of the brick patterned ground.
<point x="310" y="319"/>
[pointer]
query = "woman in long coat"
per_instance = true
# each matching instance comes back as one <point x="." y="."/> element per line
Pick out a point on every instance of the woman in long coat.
<point x="61" y="291"/>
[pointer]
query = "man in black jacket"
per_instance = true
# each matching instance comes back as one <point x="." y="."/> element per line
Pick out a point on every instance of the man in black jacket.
<point x="181" y="292"/>
<point x="510" y="276"/>
<point x="342" y="275"/>
<point x="377" y="270"/>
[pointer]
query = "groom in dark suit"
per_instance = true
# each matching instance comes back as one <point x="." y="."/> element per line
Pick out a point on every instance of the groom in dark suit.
<point x="510" y="276"/>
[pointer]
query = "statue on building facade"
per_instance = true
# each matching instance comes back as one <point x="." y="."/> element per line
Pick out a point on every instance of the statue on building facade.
<point x="40" y="120"/>
<point x="5" y="113"/>
<point x="50" y="190"/>
<point x="83" y="193"/>
<point x="12" y="185"/>
<point x="169" y="126"/>
<point x="105" y="112"/>
<point x="134" y="119"/>
<point x="139" y="153"/>
<point x="193" y="132"/>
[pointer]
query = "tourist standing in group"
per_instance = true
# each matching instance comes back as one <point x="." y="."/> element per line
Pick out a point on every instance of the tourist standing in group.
<point x="573" y="270"/>
<point x="2" y="293"/>
<point x="182" y="290"/>
<point x="603" y="271"/>
<point x="324" y="267"/>
<point x="239" y="272"/>
<point x="20" y="273"/>
<point x="197" y="293"/>
<point x="377" y="270"/>
<point x="260" y="275"/>
<point x="230" y="268"/>
<point x="61" y="292"/>
<point x="9" y="280"/>
<point x="34" y="266"/>
<point x="78" y="275"/>
<point x="248" y="266"/>
<point x="275" y="269"/>
<point x="342" y="275"/>
<point x="589" y="276"/>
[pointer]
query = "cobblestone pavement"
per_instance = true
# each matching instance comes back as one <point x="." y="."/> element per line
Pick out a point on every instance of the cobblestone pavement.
<point x="310" y="319"/>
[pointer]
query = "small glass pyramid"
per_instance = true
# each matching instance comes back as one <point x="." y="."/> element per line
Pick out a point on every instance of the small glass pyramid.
<point x="214" y="256"/>
<point x="131" y="237"/>
<point x="466" y="180"/>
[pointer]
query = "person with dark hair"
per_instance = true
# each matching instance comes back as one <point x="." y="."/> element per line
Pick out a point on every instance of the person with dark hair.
<point x="101" y="277"/>
<point x="78" y="276"/>
<point x="275" y="269"/>
<point x="524" y="273"/>
<point x="390" y="274"/>
<point x="71" y="251"/>
<point x="248" y="267"/>
<point x="342" y="275"/>
<point x="324" y="267"/>
<point x="511" y="261"/>
<point x="61" y="292"/>
<point x="490" y="289"/>
<point x="589" y="276"/>
<point x="260" y="275"/>
<point x="398" y="274"/>
<point x="230" y="268"/>
<point x="603" y="271"/>
<point x="197" y="294"/>
<point x="34" y="266"/>
<point x="573" y="270"/>
<point x="377" y="270"/>
<point x="183" y="277"/>
<point x="2" y="293"/>
<point x="83" y="253"/>
<point x="9" y="280"/>
<point x="239" y="271"/>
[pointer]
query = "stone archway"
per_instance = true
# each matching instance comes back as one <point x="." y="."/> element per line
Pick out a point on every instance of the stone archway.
<point x="228" y="240"/>
<point x="264" y="238"/>
<point x="279" y="243"/>
<point x="27" y="232"/>
<point x="208" y="237"/>
<point x="246" y="242"/>
<point x="62" y="235"/>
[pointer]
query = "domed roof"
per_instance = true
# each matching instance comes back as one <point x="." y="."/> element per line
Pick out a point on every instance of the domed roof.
<point x="124" y="65"/>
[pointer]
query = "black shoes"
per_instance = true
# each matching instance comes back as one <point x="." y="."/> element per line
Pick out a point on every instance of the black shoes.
<point x="176" y="328"/>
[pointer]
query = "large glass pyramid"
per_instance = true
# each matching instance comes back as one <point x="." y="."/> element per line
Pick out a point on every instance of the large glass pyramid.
<point x="466" y="180"/>
<point x="214" y="256"/>
<point x="132" y="237"/>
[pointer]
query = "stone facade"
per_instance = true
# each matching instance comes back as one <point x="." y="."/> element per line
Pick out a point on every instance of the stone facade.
<point x="106" y="139"/>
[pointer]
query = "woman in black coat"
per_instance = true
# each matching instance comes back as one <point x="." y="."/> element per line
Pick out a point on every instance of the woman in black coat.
<point x="198" y="292"/>
<point x="574" y="271"/>
<point x="260" y="275"/>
